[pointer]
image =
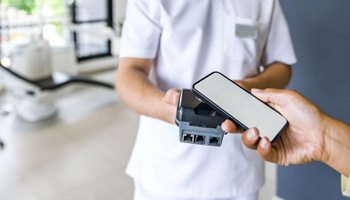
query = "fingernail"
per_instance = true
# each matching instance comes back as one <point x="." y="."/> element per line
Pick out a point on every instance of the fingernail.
<point x="263" y="143"/>
<point x="251" y="134"/>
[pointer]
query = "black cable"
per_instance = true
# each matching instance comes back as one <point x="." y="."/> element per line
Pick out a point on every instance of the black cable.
<point x="81" y="80"/>
<point x="13" y="73"/>
<point x="49" y="83"/>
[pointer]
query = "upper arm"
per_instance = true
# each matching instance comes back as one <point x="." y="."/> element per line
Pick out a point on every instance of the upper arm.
<point x="136" y="64"/>
<point x="140" y="37"/>
<point x="279" y="46"/>
<point x="141" y="30"/>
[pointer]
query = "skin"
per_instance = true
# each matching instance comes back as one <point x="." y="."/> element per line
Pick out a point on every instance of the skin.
<point x="143" y="97"/>
<point x="311" y="135"/>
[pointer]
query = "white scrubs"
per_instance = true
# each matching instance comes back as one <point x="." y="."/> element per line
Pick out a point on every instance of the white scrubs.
<point x="189" y="39"/>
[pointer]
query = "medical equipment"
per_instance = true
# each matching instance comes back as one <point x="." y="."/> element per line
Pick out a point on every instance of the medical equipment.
<point x="32" y="96"/>
<point x="30" y="80"/>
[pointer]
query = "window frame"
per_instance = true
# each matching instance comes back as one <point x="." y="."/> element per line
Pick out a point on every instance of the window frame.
<point x="109" y="23"/>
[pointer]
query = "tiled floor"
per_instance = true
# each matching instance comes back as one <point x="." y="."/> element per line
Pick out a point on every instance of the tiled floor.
<point x="80" y="155"/>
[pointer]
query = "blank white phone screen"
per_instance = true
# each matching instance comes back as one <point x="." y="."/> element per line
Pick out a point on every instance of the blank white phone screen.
<point x="241" y="105"/>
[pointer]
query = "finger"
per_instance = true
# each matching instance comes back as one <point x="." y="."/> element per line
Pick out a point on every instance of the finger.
<point x="267" y="152"/>
<point x="240" y="83"/>
<point x="251" y="138"/>
<point x="243" y="84"/>
<point x="274" y="96"/>
<point x="228" y="126"/>
<point x="172" y="96"/>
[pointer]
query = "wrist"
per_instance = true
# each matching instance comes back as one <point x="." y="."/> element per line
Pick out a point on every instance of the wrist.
<point x="326" y="134"/>
<point x="337" y="147"/>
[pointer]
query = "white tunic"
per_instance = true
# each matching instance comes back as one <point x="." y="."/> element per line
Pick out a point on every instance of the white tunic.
<point x="189" y="39"/>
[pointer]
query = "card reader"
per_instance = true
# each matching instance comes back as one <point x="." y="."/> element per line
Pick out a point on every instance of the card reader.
<point x="198" y="123"/>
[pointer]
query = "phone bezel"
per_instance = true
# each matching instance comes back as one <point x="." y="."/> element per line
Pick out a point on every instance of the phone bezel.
<point x="226" y="114"/>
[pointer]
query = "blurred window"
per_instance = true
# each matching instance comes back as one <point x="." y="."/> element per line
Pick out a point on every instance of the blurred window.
<point x="91" y="15"/>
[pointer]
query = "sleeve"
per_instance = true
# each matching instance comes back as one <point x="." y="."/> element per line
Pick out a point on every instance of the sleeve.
<point x="141" y="30"/>
<point x="279" y="46"/>
<point x="345" y="184"/>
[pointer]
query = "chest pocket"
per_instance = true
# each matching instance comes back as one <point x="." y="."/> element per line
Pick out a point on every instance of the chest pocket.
<point x="241" y="40"/>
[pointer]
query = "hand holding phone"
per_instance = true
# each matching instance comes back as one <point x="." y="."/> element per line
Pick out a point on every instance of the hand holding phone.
<point x="238" y="105"/>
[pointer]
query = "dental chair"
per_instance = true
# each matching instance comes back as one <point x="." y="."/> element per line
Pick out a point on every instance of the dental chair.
<point x="32" y="97"/>
<point x="39" y="110"/>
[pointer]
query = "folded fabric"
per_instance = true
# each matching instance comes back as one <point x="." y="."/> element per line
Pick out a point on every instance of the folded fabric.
<point x="345" y="184"/>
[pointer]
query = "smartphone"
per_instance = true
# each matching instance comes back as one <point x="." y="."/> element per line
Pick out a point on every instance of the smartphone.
<point x="239" y="105"/>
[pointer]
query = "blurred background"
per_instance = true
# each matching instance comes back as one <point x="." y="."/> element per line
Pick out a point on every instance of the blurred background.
<point x="65" y="134"/>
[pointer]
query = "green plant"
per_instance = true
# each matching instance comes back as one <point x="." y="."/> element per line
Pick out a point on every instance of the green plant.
<point x="57" y="6"/>
<point x="32" y="6"/>
<point x="25" y="5"/>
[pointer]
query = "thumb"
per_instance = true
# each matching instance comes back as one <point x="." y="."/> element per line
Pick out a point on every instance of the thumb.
<point x="172" y="96"/>
<point x="275" y="97"/>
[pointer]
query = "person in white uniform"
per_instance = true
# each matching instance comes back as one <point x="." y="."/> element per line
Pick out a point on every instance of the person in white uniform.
<point x="167" y="45"/>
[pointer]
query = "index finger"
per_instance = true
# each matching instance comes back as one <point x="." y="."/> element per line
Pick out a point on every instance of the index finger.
<point x="267" y="152"/>
<point x="229" y="127"/>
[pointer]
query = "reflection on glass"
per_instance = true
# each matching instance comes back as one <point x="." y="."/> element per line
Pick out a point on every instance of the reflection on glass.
<point x="88" y="10"/>
<point x="92" y="44"/>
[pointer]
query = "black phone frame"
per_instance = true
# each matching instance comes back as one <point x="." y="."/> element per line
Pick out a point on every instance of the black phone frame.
<point x="224" y="113"/>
